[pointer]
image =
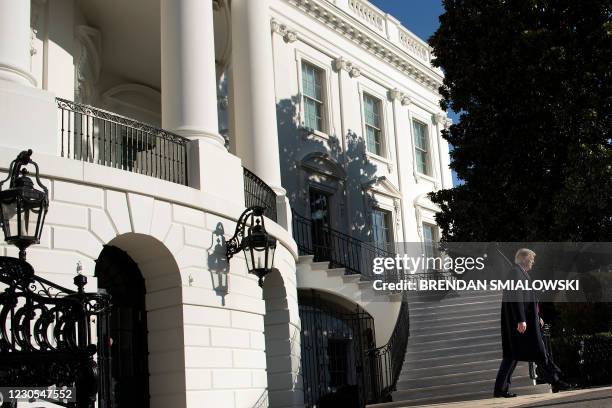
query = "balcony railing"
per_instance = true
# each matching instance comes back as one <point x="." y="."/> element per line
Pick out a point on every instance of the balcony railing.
<point x="341" y="250"/>
<point x="97" y="136"/>
<point x="257" y="192"/>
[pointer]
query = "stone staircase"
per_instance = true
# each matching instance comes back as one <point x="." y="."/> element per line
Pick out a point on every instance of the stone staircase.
<point x="454" y="351"/>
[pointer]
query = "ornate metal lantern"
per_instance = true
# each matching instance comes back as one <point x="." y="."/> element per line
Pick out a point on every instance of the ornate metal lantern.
<point x="23" y="207"/>
<point x="257" y="245"/>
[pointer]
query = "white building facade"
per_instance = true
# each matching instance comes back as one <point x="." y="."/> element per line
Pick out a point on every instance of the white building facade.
<point x="142" y="116"/>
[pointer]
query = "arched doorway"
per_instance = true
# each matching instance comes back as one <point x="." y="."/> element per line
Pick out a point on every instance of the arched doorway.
<point x="336" y="339"/>
<point x="119" y="275"/>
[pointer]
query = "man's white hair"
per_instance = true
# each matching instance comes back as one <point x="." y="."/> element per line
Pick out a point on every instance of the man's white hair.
<point x="522" y="255"/>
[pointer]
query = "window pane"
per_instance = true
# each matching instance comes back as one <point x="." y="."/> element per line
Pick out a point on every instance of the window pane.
<point x="428" y="240"/>
<point x="381" y="229"/>
<point x="421" y="158"/>
<point x="313" y="96"/>
<point x="373" y="140"/>
<point x="371" y="108"/>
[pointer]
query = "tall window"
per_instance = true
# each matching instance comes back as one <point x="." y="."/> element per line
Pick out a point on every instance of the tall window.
<point x="429" y="239"/>
<point x="312" y="90"/>
<point x="381" y="229"/>
<point x="373" y="129"/>
<point x="420" y="147"/>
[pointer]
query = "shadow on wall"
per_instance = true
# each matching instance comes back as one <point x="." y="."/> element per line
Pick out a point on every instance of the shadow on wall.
<point x="218" y="264"/>
<point x="349" y="201"/>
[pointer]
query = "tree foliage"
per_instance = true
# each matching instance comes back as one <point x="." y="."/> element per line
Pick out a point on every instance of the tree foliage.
<point x="532" y="81"/>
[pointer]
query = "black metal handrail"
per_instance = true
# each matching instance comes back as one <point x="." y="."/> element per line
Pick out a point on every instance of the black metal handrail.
<point x="386" y="361"/>
<point x="340" y="249"/>
<point x="98" y="136"/>
<point x="258" y="193"/>
<point x="46" y="333"/>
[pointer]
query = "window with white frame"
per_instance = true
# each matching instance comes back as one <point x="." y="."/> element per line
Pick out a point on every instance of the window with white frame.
<point x="373" y="124"/>
<point x="421" y="150"/>
<point x="313" y="96"/>
<point x="382" y="234"/>
<point x="429" y="240"/>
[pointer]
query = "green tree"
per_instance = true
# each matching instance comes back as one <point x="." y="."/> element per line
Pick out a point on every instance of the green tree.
<point x="532" y="81"/>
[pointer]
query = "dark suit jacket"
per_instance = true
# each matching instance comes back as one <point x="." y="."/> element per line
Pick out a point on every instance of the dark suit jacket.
<point x="521" y="306"/>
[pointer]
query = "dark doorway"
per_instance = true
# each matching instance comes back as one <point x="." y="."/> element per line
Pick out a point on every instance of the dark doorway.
<point x="119" y="275"/>
<point x="321" y="223"/>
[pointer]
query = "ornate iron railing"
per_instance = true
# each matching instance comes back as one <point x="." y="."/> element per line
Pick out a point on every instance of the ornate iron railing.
<point x="341" y="250"/>
<point x="46" y="333"/>
<point x="258" y="193"/>
<point x="387" y="361"/>
<point x="97" y="136"/>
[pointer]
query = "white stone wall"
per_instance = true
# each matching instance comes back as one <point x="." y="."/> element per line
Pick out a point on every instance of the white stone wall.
<point x="204" y="349"/>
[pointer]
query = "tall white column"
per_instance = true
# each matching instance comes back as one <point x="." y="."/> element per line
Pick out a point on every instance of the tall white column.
<point x="15" y="42"/>
<point x="254" y="100"/>
<point x="188" y="78"/>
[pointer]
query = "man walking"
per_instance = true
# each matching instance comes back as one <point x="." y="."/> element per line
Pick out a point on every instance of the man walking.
<point x="521" y="330"/>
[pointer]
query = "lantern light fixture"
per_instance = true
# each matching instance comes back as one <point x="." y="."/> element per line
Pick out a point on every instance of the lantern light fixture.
<point x="257" y="245"/>
<point x="23" y="207"/>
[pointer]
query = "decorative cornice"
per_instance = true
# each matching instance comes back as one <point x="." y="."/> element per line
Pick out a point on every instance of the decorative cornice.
<point x="289" y="36"/>
<point x="342" y="64"/>
<point x="401" y="59"/>
<point x="442" y="120"/>
<point x="396" y="94"/>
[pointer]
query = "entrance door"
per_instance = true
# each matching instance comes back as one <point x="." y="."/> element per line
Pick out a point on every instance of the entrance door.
<point x="119" y="275"/>
<point x="320" y="215"/>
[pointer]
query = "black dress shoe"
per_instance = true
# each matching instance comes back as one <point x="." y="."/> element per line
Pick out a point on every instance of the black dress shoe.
<point x="560" y="386"/>
<point x="503" y="394"/>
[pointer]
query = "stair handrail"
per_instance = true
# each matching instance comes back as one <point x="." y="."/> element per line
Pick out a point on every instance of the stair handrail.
<point x="345" y="251"/>
<point x="389" y="358"/>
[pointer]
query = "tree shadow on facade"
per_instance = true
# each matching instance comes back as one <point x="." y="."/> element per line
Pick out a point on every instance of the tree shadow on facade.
<point x="308" y="162"/>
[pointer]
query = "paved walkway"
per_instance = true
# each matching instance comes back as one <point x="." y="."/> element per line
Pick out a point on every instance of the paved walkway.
<point x="588" y="398"/>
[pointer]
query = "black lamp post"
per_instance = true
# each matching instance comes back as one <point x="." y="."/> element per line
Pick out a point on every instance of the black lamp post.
<point x="251" y="237"/>
<point x="23" y="207"/>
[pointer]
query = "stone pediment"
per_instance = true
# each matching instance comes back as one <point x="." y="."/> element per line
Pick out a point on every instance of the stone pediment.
<point x="322" y="163"/>
<point x="382" y="185"/>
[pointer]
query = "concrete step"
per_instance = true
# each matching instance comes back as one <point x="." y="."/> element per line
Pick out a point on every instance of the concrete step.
<point x="415" y="362"/>
<point x="470" y="304"/>
<point x="442" y="319"/>
<point x="424" y="372"/>
<point x="319" y="266"/>
<point x="455" y="300"/>
<point x="336" y="272"/>
<point x="452" y="351"/>
<point x="468" y="338"/>
<point x="305" y="259"/>
<point x="430" y="329"/>
<point x="526" y="390"/>
<point x="447" y="379"/>
<point x="455" y="311"/>
<point x="458" y="388"/>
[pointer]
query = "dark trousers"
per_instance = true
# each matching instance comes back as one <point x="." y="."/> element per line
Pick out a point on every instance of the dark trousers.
<point x="506" y="368"/>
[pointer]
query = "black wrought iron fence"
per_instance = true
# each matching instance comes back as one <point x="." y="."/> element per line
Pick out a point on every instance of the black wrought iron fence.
<point x="340" y="249"/>
<point x="97" y="136"/>
<point x="47" y="337"/>
<point x="258" y="193"/>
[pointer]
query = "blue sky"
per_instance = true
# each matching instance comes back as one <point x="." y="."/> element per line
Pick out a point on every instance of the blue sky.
<point x="420" y="17"/>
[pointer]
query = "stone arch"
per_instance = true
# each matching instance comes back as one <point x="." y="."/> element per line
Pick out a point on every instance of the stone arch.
<point x="282" y="336"/>
<point x="164" y="313"/>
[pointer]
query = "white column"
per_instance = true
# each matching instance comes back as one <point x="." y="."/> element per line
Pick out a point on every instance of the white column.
<point x="439" y="120"/>
<point x="188" y="78"/>
<point x="254" y="99"/>
<point x="15" y="42"/>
